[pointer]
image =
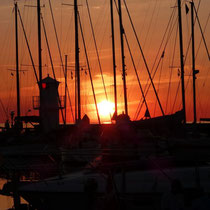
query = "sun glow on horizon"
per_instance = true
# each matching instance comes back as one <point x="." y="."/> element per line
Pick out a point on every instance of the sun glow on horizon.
<point x="106" y="108"/>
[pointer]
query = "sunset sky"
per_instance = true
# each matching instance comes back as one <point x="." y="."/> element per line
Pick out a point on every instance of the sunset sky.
<point x="150" y="18"/>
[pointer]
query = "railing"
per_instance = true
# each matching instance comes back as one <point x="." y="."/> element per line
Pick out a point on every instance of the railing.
<point x="62" y="102"/>
<point x="36" y="102"/>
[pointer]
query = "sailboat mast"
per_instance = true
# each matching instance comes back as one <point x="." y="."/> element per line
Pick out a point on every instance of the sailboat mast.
<point x="66" y="57"/>
<point x="123" y="57"/>
<point x="78" y="110"/>
<point x="40" y="59"/>
<point x="113" y="55"/>
<point x="193" y="61"/>
<point x="17" y="61"/>
<point x="181" y="58"/>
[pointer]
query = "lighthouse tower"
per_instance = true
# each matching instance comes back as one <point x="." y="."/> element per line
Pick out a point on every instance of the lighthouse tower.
<point x="50" y="104"/>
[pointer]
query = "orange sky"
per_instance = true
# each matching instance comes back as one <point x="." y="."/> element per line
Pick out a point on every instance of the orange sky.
<point x="150" y="18"/>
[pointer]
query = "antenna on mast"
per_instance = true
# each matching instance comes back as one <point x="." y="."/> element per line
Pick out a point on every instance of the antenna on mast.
<point x="113" y="56"/>
<point x="40" y="60"/>
<point x="77" y="67"/>
<point x="181" y="58"/>
<point x="123" y="57"/>
<point x="193" y="61"/>
<point x="17" y="61"/>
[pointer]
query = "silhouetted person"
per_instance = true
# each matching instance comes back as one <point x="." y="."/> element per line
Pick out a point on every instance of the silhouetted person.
<point x="6" y="125"/>
<point x="18" y="125"/>
<point x="12" y="114"/>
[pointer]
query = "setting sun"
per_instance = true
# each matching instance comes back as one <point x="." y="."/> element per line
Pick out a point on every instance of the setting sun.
<point x="106" y="108"/>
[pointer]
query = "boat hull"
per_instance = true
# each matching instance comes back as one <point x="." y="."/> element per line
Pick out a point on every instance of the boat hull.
<point x="133" y="189"/>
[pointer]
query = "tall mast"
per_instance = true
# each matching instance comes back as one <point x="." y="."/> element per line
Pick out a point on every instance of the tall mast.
<point x="15" y="179"/>
<point x="123" y="57"/>
<point x="78" y="112"/>
<point x="193" y="61"/>
<point x="181" y="58"/>
<point x="17" y="61"/>
<point x="40" y="59"/>
<point x="113" y="55"/>
<point x="66" y="56"/>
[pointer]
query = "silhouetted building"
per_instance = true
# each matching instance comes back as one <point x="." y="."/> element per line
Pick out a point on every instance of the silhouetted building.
<point x="50" y="104"/>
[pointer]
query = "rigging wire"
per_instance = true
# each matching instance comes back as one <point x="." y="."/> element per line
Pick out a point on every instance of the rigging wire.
<point x="171" y="19"/>
<point x="188" y="46"/>
<point x="158" y="89"/>
<point x="100" y="26"/>
<point x="69" y="28"/>
<point x="24" y="14"/>
<point x="68" y="48"/>
<point x="61" y="59"/>
<point x="32" y="61"/>
<point x="24" y="100"/>
<point x="199" y="45"/>
<point x="187" y="22"/>
<point x="10" y="97"/>
<point x="143" y="28"/>
<point x="168" y="30"/>
<point x="29" y="19"/>
<point x="134" y="66"/>
<point x="172" y="63"/>
<point x="204" y="40"/>
<point x="177" y="91"/>
<point x="144" y="59"/>
<point x="197" y="56"/>
<point x="147" y="88"/>
<point x="6" y="47"/>
<point x="141" y="53"/>
<point x="88" y="64"/>
<point x="51" y="61"/>
<point x="3" y="107"/>
<point x="145" y="17"/>
<point x="155" y="9"/>
<point x="185" y="58"/>
<point x="176" y="95"/>
<point x="150" y="23"/>
<point x="153" y="31"/>
<point x="96" y="48"/>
